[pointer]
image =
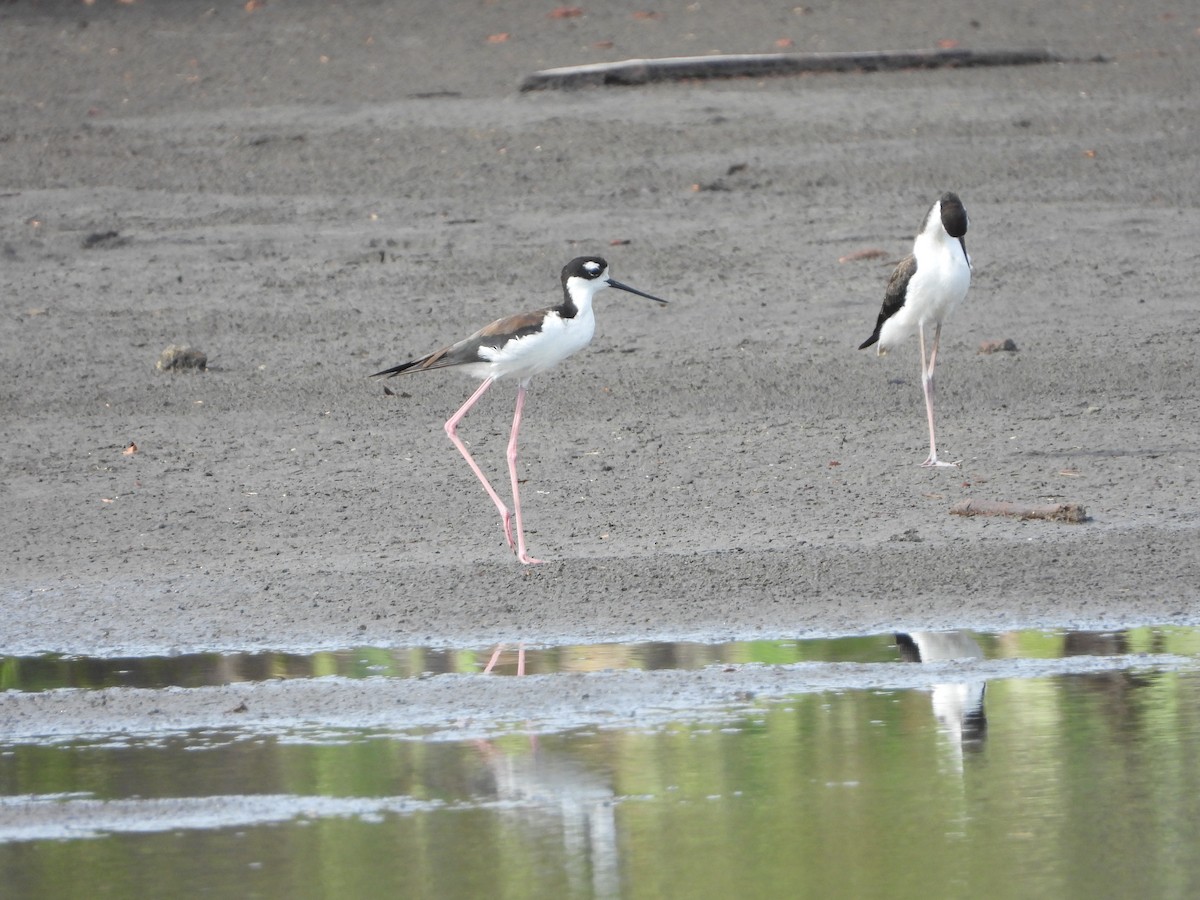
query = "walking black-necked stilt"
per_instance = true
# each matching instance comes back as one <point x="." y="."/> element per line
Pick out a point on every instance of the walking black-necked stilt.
<point x="925" y="287"/>
<point x="520" y="347"/>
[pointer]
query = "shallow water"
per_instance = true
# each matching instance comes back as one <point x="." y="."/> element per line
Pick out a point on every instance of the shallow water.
<point x="51" y="671"/>
<point x="1064" y="786"/>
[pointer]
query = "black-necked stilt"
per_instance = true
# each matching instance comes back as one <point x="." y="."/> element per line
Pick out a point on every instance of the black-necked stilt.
<point x="925" y="287"/>
<point x="520" y="347"/>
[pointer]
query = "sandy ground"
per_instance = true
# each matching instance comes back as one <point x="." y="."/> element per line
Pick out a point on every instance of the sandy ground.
<point x="310" y="192"/>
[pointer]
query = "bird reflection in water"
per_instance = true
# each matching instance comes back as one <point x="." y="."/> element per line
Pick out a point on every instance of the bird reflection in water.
<point x="958" y="706"/>
<point x="549" y="790"/>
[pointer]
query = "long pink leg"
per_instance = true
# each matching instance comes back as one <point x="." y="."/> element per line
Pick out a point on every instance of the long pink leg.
<point x="927" y="384"/>
<point x="522" y="553"/>
<point x="496" y="656"/>
<point x="452" y="432"/>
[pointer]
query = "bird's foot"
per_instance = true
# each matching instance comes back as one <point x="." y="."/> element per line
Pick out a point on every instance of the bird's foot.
<point x="523" y="556"/>
<point x="934" y="463"/>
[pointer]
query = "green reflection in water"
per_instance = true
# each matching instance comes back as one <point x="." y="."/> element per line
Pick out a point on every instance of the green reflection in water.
<point x="46" y="672"/>
<point x="51" y="671"/>
<point x="1084" y="786"/>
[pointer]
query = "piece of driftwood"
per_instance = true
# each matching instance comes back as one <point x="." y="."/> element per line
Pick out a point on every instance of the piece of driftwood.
<point x="1008" y="345"/>
<point x="181" y="358"/>
<point x="644" y="71"/>
<point x="1054" y="512"/>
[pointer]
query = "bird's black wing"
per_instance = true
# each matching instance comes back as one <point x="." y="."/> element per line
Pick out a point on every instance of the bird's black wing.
<point x="894" y="297"/>
<point x="467" y="350"/>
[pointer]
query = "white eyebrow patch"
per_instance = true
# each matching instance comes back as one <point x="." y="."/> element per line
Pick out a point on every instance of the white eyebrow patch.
<point x="592" y="268"/>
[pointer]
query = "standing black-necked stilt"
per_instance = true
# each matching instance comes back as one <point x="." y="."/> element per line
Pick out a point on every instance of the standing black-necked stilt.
<point x="520" y="347"/>
<point x="925" y="287"/>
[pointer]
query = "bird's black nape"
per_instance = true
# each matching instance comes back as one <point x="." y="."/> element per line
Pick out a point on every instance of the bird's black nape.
<point x="954" y="215"/>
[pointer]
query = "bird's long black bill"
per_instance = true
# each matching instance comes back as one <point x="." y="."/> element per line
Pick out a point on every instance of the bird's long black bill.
<point x="633" y="290"/>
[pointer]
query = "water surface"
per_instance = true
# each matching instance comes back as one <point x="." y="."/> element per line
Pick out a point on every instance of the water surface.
<point x="1076" y="785"/>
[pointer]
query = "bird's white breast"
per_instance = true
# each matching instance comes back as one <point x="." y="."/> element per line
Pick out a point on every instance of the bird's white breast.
<point x="942" y="278"/>
<point x="940" y="283"/>
<point x="532" y="354"/>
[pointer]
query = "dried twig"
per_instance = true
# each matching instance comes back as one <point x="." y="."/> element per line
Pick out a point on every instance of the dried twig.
<point x="644" y="71"/>
<point x="1054" y="512"/>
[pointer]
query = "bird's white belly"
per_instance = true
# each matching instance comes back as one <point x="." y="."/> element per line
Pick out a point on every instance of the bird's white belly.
<point x="943" y="288"/>
<point x="933" y="293"/>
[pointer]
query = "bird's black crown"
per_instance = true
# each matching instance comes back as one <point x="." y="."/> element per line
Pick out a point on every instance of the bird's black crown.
<point x="588" y="268"/>
<point x="954" y="215"/>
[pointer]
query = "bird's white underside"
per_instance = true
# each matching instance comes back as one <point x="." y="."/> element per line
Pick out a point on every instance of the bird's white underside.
<point x="940" y="283"/>
<point x="532" y="354"/>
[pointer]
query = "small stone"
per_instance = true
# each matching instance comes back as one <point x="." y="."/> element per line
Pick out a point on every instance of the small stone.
<point x="180" y="357"/>
<point x="1008" y="345"/>
<point x="104" y="240"/>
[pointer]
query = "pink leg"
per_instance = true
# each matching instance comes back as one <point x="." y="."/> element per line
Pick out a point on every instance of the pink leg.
<point x="496" y="656"/>
<point x="522" y="553"/>
<point x="927" y="384"/>
<point x="452" y="432"/>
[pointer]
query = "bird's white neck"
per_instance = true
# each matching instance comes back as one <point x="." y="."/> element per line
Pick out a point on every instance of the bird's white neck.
<point x="580" y="293"/>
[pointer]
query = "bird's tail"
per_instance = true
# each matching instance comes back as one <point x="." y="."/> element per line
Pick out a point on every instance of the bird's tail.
<point x="403" y="367"/>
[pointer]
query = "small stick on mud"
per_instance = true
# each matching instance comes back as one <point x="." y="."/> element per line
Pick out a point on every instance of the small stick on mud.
<point x="1053" y="512"/>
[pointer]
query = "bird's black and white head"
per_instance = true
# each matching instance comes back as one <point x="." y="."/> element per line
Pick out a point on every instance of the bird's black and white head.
<point x="584" y="276"/>
<point x="945" y="224"/>
<point x="953" y="214"/>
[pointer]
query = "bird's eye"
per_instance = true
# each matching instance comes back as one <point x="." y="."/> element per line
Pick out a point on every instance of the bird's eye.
<point x="592" y="268"/>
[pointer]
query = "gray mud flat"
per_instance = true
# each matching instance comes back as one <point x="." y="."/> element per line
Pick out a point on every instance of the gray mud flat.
<point x="308" y="206"/>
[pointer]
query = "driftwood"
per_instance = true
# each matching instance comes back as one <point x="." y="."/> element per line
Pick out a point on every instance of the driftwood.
<point x="644" y="71"/>
<point x="180" y="358"/>
<point x="1054" y="512"/>
<point x="1008" y="345"/>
